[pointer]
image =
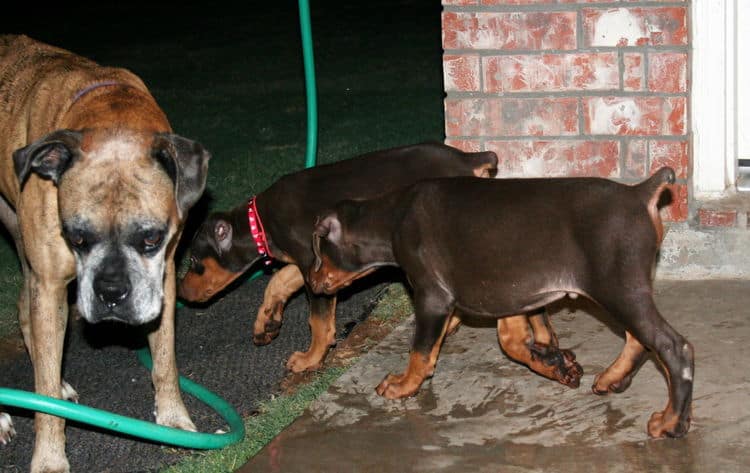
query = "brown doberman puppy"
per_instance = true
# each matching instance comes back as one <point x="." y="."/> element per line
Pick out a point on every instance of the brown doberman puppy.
<point x="502" y="247"/>
<point x="278" y="223"/>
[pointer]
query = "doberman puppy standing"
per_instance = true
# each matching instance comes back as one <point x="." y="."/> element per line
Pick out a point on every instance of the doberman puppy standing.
<point x="95" y="187"/>
<point x="495" y="248"/>
<point x="278" y="223"/>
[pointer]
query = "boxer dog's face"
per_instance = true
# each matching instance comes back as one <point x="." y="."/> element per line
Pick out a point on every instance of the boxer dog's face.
<point x="121" y="199"/>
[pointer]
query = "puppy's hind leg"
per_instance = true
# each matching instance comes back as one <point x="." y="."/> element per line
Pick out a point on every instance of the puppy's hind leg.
<point x="675" y="355"/>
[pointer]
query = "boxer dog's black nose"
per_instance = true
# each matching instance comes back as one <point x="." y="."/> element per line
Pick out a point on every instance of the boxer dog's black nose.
<point x="111" y="287"/>
<point x="111" y="294"/>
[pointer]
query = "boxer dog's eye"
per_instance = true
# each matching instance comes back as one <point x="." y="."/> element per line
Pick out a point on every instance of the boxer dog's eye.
<point x="152" y="240"/>
<point x="80" y="240"/>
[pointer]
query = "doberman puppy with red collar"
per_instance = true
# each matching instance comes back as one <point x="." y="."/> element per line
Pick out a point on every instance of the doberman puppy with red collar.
<point x="278" y="222"/>
<point x="501" y="247"/>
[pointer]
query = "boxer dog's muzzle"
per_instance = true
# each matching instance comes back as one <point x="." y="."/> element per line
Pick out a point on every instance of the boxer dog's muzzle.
<point x="120" y="207"/>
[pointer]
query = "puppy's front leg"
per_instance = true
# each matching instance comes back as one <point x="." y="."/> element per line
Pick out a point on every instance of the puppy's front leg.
<point x="547" y="359"/>
<point x="284" y="282"/>
<point x="322" y="322"/>
<point x="432" y="320"/>
<point x="169" y="408"/>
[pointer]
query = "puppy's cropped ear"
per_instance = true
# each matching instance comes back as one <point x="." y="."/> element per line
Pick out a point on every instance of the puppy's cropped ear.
<point x="327" y="226"/>
<point x="223" y="235"/>
<point x="186" y="162"/>
<point x="49" y="156"/>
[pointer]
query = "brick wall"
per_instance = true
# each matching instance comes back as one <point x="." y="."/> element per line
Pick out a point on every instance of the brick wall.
<point x="571" y="88"/>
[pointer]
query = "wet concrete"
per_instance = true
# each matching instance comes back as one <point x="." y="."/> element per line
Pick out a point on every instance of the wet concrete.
<point x="481" y="412"/>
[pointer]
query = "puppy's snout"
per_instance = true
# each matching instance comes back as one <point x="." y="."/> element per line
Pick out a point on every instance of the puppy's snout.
<point x="111" y="290"/>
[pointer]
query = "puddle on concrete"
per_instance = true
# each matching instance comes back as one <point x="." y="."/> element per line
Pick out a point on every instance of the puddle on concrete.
<point x="482" y="413"/>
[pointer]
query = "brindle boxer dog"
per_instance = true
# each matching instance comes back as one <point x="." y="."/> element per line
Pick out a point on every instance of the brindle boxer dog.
<point x="96" y="188"/>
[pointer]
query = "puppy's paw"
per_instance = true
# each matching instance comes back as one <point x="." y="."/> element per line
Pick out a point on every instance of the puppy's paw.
<point x="67" y="392"/>
<point x="175" y="416"/>
<point x="569" y="371"/>
<point x="7" y="432"/>
<point x="303" y="361"/>
<point x="556" y="363"/>
<point x="605" y="384"/>
<point x="397" y="387"/>
<point x="667" y="424"/>
<point x="270" y="331"/>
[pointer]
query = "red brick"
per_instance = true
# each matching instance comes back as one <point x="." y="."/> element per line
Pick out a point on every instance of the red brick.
<point x="551" y="72"/>
<point x="717" y="218"/>
<point x="515" y="2"/>
<point x="635" y="159"/>
<point x="635" y="26"/>
<point x="677" y="208"/>
<point x="633" y="73"/>
<point x="589" y="1"/>
<point x="511" y="117"/>
<point x="667" y="72"/>
<point x="461" y="73"/>
<point x="634" y="115"/>
<point x="517" y="30"/>
<point x="466" y="117"/>
<point x="669" y="153"/>
<point x="460" y="2"/>
<point x="556" y="158"/>
<point x="675" y="109"/>
<point x="465" y="145"/>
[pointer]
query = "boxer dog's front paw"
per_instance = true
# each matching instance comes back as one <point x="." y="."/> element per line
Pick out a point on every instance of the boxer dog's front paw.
<point x="667" y="424"/>
<point x="67" y="392"/>
<point x="48" y="462"/>
<point x="303" y="361"/>
<point x="174" y="416"/>
<point x="396" y="387"/>
<point x="7" y="432"/>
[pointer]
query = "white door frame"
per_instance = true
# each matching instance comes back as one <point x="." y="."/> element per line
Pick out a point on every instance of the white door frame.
<point x="716" y="72"/>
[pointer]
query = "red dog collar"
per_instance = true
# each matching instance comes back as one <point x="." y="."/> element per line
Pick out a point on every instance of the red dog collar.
<point x="257" y="231"/>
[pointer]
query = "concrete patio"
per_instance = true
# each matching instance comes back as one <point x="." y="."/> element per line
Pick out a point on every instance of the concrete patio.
<point x="483" y="413"/>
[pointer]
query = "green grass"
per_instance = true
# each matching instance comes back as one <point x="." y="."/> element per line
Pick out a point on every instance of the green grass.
<point x="395" y="305"/>
<point x="274" y="415"/>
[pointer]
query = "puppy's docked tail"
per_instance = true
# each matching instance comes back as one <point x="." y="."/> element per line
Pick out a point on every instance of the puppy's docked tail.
<point x="650" y="192"/>
<point x="484" y="163"/>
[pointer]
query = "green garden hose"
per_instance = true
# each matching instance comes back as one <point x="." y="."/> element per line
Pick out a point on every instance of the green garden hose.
<point x="312" y="101"/>
<point x="150" y="430"/>
<point x="136" y="427"/>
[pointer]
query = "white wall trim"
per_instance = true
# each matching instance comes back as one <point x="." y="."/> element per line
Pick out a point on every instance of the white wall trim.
<point x="714" y="97"/>
<point x="743" y="79"/>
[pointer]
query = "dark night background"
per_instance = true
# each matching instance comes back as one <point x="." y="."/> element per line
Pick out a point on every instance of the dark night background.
<point x="231" y="77"/>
